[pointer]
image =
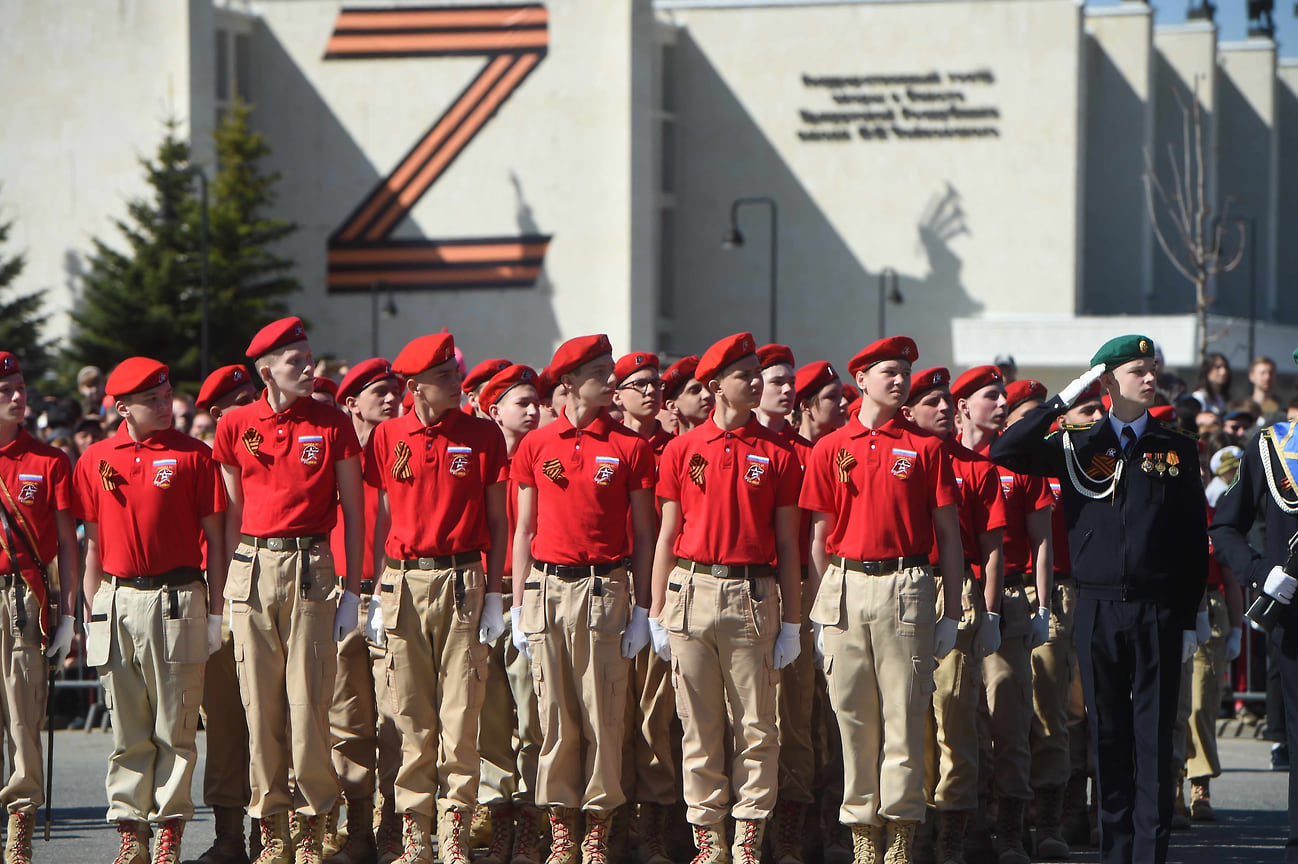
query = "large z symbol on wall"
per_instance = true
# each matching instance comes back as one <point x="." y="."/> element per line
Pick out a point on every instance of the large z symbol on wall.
<point x="362" y="252"/>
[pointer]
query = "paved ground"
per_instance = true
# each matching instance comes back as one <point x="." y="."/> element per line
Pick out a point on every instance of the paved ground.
<point x="1249" y="798"/>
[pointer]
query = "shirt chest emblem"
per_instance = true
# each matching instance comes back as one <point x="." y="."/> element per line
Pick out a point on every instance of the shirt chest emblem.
<point x="31" y="486"/>
<point x="310" y="447"/>
<point x="903" y="462"/>
<point x="164" y="471"/>
<point x="1007" y="486"/>
<point x="757" y="468"/>
<point x="458" y="460"/>
<point x="605" y="469"/>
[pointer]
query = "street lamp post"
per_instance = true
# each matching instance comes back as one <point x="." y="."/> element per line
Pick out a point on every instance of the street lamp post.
<point x="197" y="172"/>
<point x="734" y="240"/>
<point x="887" y="277"/>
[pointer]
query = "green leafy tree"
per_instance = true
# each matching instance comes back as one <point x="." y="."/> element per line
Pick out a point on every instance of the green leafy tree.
<point x="22" y="318"/>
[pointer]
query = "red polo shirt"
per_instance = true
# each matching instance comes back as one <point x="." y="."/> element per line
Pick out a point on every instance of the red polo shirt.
<point x="338" y="537"/>
<point x="436" y="478"/>
<point x="286" y="461"/>
<point x="894" y="477"/>
<point x="511" y="514"/>
<point x="150" y="520"/>
<point x="728" y="485"/>
<point x="1059" y="530"/>
<point x="801" y="449"/>
<point x="583" y="479"/>
<point x="982" y="508"/>
<point x="1023" y="495"/>
<point x="39" y="479"/>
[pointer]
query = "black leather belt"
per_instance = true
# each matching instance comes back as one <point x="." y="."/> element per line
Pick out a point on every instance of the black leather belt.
<point x="435" y="562"/>
<point x="881" y="567"/>
<point x="1014" y="579"/>
<point x="367" y="587"/>
<point x="284" y="544"/>
<point x="170" y="579"/>
<point x="727" y="571"/>
<point x="578" y="571"/>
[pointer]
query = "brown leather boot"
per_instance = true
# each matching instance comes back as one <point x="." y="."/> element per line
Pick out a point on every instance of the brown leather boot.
<point x="330" y="841"/>
<point x="133" y="846"/>
<point x="166" y="843"/>
<point x="18" y="838"/>
<point x="901" y="842"/>
<point x="653" y="824"/>
<point x="502" y="835"/>
<point x="230" y="844"/>
<point x="416" y="834"/>
<point x="594" y="844"/>
<point x="563" y="834"/>
<point x="276" y="845"/>
<point x="480" y="829"/>
<point x="867" y="844"/>
<point x="307" y="832"/>
<point x="1009" y="832"/>
<point x="1201" y="801"/>
<point x="788" y="831"/>
<point x="1050" y="828"/>
<point x="747" y="848"/>
<point x="528" y="827"/>
<point x="949" y="848"/>
<point x="710" y="840"/>
<point x="452" y="835"/>
<point x="359" y="846"/>
<point x="387" y="831"/>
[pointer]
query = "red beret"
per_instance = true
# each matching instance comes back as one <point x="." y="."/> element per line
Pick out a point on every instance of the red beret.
<point x="678" y="375"/>
<point x="1165" y="413"/>
<point x="274" y="335"/>
<point x="1105" y="401"/>
<point x="854" y="407"/>
<point x="892" y="348"/>
<point x="769" y="355"/>
<point x="1020" y="391"/>
<point x="135" y="374"/>
<point x="577" y="351"/>
<point x="929" y="379"/>
<point x="482" y="373"/>
<point x="812" y="377"/>
<point x="629" y="364"/>
<point x="424" y="353"/>
<point x="8" y="365"/>
<point x="321" y="384"/>
<point x="722" y="353"/>
<point x="363" y="375"/>
<point x="408" y="402"/>
<point x="219" y="383"/>
<point x="504" y="381"/>
<point x="976" y="379"/>
<point x="545" y="383"/>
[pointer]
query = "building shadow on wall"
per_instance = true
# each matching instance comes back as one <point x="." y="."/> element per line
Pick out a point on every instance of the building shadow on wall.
<point x="1244" y="145"/>
<point x="828" y="303"/>
<point x="1286" y="104"/>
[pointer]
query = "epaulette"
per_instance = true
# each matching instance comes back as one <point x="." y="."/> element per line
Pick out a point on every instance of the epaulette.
<point x="1077" y="427"/>
<point x="1178" y="429"/>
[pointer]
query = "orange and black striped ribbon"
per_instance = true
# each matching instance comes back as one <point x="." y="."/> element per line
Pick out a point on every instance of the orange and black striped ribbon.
<point x="252" y="440"/>
<point x="107" y="475"/>
<point x="401" y="466"/>
<point x="553" y="469"/>
<point x="845" y="462"/>
<point x="696" y="468"/>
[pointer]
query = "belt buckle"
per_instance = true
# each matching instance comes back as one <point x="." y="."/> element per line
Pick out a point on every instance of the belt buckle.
<point x="427" y="564"/>
<point x="719" y="570"/>
<point x="275" y="544"/>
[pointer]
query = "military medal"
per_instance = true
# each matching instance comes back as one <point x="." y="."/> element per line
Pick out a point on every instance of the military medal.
<point x="1172" y="461"/>
<point x="1160" y="466"/>
<point x="1148" y="465"/>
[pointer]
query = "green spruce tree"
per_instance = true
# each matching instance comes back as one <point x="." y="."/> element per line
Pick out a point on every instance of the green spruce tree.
<point x="22" y="318"/>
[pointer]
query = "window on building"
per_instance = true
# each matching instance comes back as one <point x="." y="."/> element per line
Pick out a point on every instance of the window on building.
<point x="222" y="66"/>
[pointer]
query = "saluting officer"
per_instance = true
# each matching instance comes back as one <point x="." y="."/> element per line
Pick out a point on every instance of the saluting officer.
<point x="875" y="603"/>
<point x="580" y="479"/>
<point x="442" y="504"/>
<point x="149" y="496"/>
<point x="729" y="490"/>
<point x="1139" y="546"/>
<point x="38" y="542"/>
<point x="288" y="463"/>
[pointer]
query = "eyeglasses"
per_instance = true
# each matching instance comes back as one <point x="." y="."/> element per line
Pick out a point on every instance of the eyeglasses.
<point x="645" y="386"/>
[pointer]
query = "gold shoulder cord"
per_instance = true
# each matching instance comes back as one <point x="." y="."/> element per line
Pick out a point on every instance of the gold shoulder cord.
<point x="1070" y="460"/>
<point x="1264" y="444"/>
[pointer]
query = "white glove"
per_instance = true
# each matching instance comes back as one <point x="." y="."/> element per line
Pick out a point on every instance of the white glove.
<point x="637" y="633"/>
<point x="1040" y="627"/>
<point x="818" y="643"/>
<point x="61" y="642"/>
<point x="374" y="631"/>
<point x="987" y="638"/>
<point x="1074" y="389"/>
<point x="213" y="634"/>
<point x="1203" y="627"/>
<point x="662" y="642"/>
<point x="1189" y="644"/>
<point x="346" y="619"/>
<point x="1232" y="644"/>
<point x="1280" y="585"/>
<point x="516" y="632"/>
<point x="788" y="645"/>
<point x="491" y="624"/>
<point x="944" y="636"/>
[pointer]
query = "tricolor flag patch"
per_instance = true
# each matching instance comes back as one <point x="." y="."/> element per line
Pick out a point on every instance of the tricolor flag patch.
<point x="902" y="462"/>
<point x="757" y="466"/>
<point x="164" y="471"/>
<point x="605" y="468"/>
<point x="459" y="460"/>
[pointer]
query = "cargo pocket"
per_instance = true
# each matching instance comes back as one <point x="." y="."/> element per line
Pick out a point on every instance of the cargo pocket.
<point x="468" y="597"/>
<point x="828" y="606"/>
<point x="190" y="702"/>
<point x="479" y="655"/>
<point x="922" y="676"/>
<point x="106" y="683"/>
<point x="678" y="687"/>
<point x="241" y="675"/>
<point x="770" y="692"/>
<point x="616" y="672"/>
<point x="910" y="611"/>
<point x="763" y="607"/>
<point x="609" y="606"/>
<point x="675" y="616"/>
<point x="99" y="629"/>
<point x="532" y="618"/>
<point x="184" y="625"/>
<point x="322" y="580"/>
<point x="238" y="578"/>
<point x="390" y="591"/>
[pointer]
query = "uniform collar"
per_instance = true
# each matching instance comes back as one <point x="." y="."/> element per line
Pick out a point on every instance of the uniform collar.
<point x="265" y="412"/>
<point x="748" y="433"/>
<point x="600" y="427"/>
<point x="157" y="441"/>
<point x="21" y="444"/>
<point x="1137" y="426"/>
<point x="894" y="428"/>
<point x="412" y="425"/>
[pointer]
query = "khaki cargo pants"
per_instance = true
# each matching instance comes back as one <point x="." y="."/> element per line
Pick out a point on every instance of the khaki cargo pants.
<point x="151" y="649"/>
<point x="574" y="627"/>
<point x="225" y="771"/>
<point x="1207" y="672"/>
<point x="1006" y="715"/>
<point x="879" y="667"/>
<point x="796" y="700"/>
<point x="509" y="730"/>
<point x="1052" y="684"/>
<point x="952" y="755"/>
<point x="436" y="683"/>
<point x="363" y="740"/>
<point x="722" y="633"/>
<point x="283" y="618"/>
<point x="24" y="687"/>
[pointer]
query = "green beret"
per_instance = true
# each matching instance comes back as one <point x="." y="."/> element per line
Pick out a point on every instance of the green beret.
<point x="1295" y="355"/>
<point x="1121" y="349"/>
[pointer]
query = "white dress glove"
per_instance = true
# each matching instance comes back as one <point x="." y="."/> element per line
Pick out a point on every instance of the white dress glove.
<point x="516" y="632"/>
<point x="491" y="624"/>
<point x="818" y="643"/>
<point x="1075" y="387"/>
<point x="987" y="638"/>
<point x="637" y="633"/>
<point x="1040" y="627"/>
<point x="1203" y="627"/>
<point x="61" y="642"/>
<point x="788" y="645"/>
<point x="348" y="615"/>
<point x="944" y="636"/>
<point x="1189" y="644"/>
<point x="1280" y="585"/>
<point x="662" y="642"/>
<point x="213" y="634"/>
<point x="1232" y="644"/>
<point x="374" y="631"/>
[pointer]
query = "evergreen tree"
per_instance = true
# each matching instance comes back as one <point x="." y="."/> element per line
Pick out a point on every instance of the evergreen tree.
<point x="22" y="319"/>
